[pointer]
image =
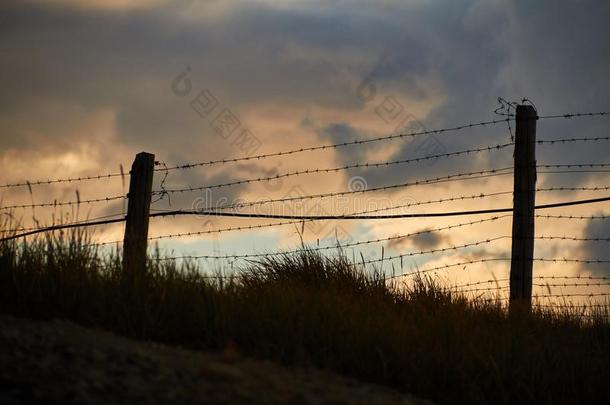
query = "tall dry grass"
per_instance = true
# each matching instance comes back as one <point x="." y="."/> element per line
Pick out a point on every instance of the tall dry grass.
<point x="307" y="309"/>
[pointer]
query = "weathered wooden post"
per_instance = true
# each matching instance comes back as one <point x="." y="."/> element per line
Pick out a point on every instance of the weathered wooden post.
<point x="524" y="200"/>
<point x="138" y="210"/>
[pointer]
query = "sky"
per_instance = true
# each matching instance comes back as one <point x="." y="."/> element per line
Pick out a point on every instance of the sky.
<point x="88" y="84"/>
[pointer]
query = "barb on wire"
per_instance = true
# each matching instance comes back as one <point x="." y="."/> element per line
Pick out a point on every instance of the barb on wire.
<point x="360" y="217"/>
<point x="571" y="305"/>
<point x="431" y="251"/>
<point x="581" y="168"/>
<point x="575" y="115"/>
<point x="579" y="277"/>
<point x="65" y="226"/>
<point x="39" y="228"/>
<point x="565" y="260"/>
<point x="575" y="217"/>
<point x="572" y="238"/>
<point x="441" y="200"/>
<point x="390" y="208"/>
<point x="598" y="284"/>
<point x="442" y="179"/>
<point x="478" y="289"/>
<point x="484" y="195"/>
<point x="339" y="168"/>
<point x="490" y="281"/>
<point x="571" y="295"/>
<point x="338" y="246"/>
<point x="304" y="218"/>
<point x="577" y="165"/>
<point x="337" y="145"/>
<point x="575" y="171"/>
<point x="30" y="183"/>
<point x="65" y="203"/>
<point x="571" y="140"/>
<point x="229" y="229"/>
<point x="463" y="264"/>
<point x="561" y="188"/>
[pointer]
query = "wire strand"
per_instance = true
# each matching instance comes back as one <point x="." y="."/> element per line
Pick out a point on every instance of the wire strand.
<point x="30" y="183"/>
<point x="571" y="140"/>
<point x="339" y="168"/>
<point x="436" y="180"/>
<point x="66" y="203"/>
<point x="338" y="145"/>
<point x="574" y="115"/>
<point x="338" y="246"/>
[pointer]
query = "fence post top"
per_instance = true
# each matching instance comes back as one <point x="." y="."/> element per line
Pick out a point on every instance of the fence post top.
<point x="526" y="110"/>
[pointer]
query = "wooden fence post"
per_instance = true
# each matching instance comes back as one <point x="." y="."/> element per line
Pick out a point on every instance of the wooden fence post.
<point x="524" y="200"/>
<point x="138" y="209"/>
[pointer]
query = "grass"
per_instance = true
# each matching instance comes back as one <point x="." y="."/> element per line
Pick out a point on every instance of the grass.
<point x="307" y="309"/>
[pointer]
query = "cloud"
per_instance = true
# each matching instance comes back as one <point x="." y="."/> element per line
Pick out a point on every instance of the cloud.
<point x="596" y="250"/>
<point x="97" y="85"/>
<point x="105" y="5"/>
<point x="424" y="241"/>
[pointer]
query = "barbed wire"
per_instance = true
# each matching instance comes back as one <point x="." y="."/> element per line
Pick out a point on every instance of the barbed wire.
<point x="572" y="238"/>
<point x="565" y="260"/>
<point x="574" y="115"/>
<point x="228" y="229"/>
<point x="336" y="169"/>
<point x="478" y="289"/>
<point x="574" y="171"/>
<point x="598" y="284"/>
<point x="448" y="266"/>
<point x="584" y="188"/>
<point x="338" y="246"/>
<point x="456" y="198"/>
<point x="501" y="280"/>
<point x="65" y="203"/>
<point x="337" y="145"/>
<point x="408" y="205"/>
<point x="490" y="281"/>
<point x="571" y="295"/>
<point x="570" y="305"/>
<point x="83" y="222"/>
<point x="441" y="200"/>
<point x="440" y="179"/>
<point x="579" y="277"/>
<point x="439" y="250"/>
<point x="484" y="195"/>
<point x="65" y="226"/>
<point x="578" y="165"/>
<point x="303" y="218"/>
<point x="458" y="176"/>
<point x="30" y="183"/>
<point x="578" y="217"/>
<point x="368" y="217"/>
<point x="571" y="140"/>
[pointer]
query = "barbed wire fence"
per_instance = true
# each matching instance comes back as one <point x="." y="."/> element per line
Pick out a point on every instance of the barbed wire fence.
<point x="551" y="291"/>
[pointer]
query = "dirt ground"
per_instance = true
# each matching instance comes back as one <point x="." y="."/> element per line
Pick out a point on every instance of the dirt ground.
<point x="65" y="363"/>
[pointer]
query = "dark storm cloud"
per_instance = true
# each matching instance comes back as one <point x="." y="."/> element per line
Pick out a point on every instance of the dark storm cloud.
<point x="57" y="62"/>
<point x="480" y="51"/>
<point x="595" y="250"/>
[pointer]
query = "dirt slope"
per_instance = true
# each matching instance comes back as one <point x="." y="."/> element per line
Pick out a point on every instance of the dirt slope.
<point x="59" y="361"/>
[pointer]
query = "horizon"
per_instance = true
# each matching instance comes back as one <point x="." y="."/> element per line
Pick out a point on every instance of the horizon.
<point x="90" y="84"/>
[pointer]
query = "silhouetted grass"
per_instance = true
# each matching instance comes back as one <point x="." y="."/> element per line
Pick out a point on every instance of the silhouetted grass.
<point x="306" y="309"/>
